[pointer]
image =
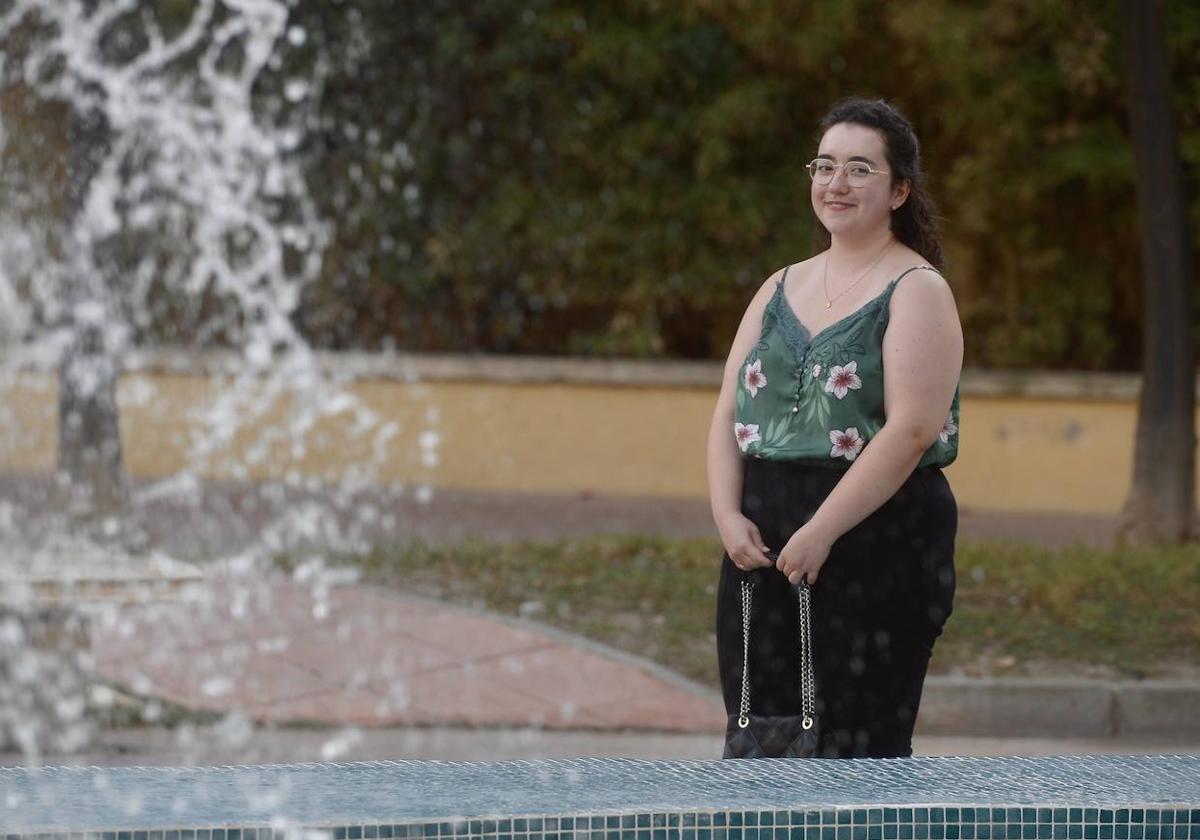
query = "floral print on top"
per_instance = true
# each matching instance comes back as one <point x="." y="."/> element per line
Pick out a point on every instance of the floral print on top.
<point x="820" y="398"/>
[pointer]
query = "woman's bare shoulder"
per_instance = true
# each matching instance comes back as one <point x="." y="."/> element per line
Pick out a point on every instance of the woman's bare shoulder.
<point x="794" y="272"/>
<point x="923" y="295"/>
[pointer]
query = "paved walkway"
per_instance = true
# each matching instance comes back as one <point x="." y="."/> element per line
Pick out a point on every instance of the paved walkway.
<point x="340" y="654"/>
<point x="282" y="651"/>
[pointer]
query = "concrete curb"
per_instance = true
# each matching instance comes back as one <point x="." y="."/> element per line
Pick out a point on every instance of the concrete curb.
<point x="1059" y="708"/>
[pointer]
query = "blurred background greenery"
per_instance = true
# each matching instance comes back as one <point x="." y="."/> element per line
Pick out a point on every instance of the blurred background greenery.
<point x="568" y="177"/>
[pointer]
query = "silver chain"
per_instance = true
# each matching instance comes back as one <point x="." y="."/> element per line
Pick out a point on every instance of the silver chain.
<point x="744" y="714"/>
<point x="807" y="687"/>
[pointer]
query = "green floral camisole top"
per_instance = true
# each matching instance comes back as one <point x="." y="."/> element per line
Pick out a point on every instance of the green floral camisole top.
<point x="820" y="398"/>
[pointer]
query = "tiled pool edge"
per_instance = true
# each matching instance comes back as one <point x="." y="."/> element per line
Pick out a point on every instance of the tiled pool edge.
<point x="1107" y="798"/>
<point x="933" y="822"/>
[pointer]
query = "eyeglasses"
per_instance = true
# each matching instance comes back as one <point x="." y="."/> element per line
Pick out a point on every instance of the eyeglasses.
<point x="857" y="172"/>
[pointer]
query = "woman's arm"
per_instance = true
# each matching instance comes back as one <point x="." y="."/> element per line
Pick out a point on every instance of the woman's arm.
<point x="739" y="535"/>
<point x="922" y="362"/>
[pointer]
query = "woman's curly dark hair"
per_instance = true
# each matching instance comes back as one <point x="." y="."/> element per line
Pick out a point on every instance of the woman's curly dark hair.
<point x="914" y="222"/>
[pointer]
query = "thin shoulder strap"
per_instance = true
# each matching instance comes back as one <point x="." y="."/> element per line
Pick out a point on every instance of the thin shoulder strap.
<point x="914" y="268"/>
<point x="783" y="279"/>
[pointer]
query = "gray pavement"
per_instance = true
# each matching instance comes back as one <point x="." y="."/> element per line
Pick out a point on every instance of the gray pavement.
<point x="238" y="743"/>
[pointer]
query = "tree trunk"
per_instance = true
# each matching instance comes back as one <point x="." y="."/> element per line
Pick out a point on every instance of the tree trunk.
<point x="1161" y="507"/>
<point x="89" y="440"/>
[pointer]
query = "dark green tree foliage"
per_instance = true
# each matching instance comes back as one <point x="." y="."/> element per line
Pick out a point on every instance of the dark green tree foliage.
<point x="558" y="176"/>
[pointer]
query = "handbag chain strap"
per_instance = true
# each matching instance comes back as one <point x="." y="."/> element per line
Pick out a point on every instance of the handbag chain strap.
<point x="807" y="687"/>
<point x="744" y="711"/>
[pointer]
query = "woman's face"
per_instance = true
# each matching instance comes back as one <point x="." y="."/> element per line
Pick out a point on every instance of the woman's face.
<point x="852" y="211"/>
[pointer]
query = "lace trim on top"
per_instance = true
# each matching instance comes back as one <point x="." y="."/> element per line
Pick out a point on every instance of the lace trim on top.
<point x="795" y="335"/>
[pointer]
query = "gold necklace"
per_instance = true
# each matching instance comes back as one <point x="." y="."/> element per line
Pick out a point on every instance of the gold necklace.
<point x="825" y="275"/>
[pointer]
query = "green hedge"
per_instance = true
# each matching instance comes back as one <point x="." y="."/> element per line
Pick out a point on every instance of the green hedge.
<point x="564" y="177"/>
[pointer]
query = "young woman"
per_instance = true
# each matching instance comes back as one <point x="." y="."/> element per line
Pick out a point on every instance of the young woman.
<point x="838" y="409"/>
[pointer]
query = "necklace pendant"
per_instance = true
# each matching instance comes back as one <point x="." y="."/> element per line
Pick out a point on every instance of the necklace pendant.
<point x="828" y="304"/>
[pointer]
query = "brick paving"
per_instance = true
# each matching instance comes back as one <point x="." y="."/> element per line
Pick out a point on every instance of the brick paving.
<point x="281" y="651"/>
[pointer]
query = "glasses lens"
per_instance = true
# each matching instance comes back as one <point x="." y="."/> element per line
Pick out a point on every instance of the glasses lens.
<point x="821" y="171"/>
<point x="857" y="174"/>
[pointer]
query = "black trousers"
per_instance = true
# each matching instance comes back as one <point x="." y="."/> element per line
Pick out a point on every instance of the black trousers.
<point x="879" y="603"/>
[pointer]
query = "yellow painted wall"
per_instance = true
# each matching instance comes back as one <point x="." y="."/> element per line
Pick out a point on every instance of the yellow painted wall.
<point x="1016" y="453"/>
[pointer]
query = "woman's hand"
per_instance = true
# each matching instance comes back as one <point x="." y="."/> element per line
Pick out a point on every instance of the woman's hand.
<point x="804" y="555"/>
<point x="743" y="543"/>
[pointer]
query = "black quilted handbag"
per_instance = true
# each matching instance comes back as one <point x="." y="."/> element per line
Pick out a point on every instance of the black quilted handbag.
<point x="784" y="736"/>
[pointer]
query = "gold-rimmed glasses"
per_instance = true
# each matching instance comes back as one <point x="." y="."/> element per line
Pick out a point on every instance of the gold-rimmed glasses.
<point x="822" y="170"/>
